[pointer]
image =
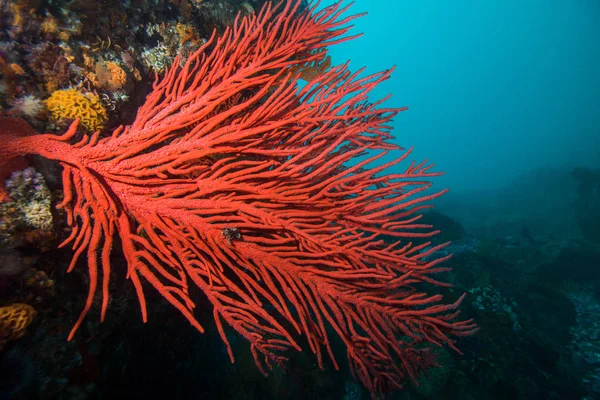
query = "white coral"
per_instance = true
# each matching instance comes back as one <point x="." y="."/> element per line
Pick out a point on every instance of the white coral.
<point x="29" y="106"/>
<point x="38" y="215"/>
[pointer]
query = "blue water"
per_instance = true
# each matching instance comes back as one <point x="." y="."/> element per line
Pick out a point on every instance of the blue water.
<point x="495" y="89"/>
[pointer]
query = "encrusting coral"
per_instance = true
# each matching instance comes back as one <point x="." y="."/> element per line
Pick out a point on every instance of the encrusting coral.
<point x="263" y="194"/>
<point x="27" y="209"/>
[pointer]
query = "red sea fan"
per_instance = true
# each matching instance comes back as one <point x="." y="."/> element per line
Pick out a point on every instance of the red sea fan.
<point x="263" y="195"/>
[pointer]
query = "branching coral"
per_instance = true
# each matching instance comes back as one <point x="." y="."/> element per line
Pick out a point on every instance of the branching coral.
<point x="264" y="195"/>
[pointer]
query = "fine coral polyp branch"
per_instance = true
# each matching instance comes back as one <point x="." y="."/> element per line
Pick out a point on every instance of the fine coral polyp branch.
<point x="263" y="195"/>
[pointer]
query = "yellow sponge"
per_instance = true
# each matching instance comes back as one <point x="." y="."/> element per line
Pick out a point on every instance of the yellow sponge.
<point x="13" y="321"/>
<point x="69" y="104"/>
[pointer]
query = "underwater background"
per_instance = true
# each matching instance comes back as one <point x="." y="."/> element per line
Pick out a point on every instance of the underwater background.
<point x="503" y="97"/>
